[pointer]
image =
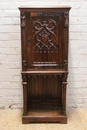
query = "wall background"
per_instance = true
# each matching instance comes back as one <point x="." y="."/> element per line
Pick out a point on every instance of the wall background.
<point x="10" y="52"/>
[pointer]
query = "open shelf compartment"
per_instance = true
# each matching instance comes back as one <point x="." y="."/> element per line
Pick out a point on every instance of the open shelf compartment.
<point x="45" y="111"/>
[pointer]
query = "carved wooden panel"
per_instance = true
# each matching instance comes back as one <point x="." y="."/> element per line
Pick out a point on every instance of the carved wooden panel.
<point x="45" y="43"/>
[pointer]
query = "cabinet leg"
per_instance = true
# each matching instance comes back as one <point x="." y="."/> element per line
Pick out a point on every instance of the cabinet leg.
<point x="64" y="97"/>
<point x="64" y="84"/>
<point x="24" y="83"/>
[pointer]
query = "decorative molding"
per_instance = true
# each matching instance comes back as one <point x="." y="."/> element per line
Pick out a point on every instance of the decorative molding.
<point x="66" y="16"/>
<point x="50" y="14"/>
<point x="23" y="19"/>
<point x="48" y="65"/>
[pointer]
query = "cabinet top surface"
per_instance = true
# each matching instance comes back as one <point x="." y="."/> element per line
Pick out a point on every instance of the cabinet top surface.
<point x="44" y="7"/>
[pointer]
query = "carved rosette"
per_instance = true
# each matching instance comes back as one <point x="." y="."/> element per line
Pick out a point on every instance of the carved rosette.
<point x="23" y="19"/>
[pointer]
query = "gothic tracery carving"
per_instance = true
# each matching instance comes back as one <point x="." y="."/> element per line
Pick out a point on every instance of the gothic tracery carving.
<point x="45" y="35"/>
<point x="45" y="41"/>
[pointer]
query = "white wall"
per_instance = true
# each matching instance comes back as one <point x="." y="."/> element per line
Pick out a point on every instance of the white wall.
<point x="10" y="52"/>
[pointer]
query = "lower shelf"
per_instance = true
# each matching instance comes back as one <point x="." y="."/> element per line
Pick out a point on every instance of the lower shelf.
<point x="46" y="115"/>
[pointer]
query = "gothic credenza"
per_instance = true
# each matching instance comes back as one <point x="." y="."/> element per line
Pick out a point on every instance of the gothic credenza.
<point x="44" y="43"/>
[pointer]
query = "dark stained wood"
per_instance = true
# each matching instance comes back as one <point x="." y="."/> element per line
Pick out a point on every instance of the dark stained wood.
<point x="45" y="71"/>
<point x="44" y="44"/>
<point x="24" y="83"/>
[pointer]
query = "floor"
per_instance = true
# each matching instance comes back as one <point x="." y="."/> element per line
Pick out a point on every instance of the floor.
<point x="11" y="120"/>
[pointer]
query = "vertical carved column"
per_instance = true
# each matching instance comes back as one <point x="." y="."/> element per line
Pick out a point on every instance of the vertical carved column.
<point x="64" y="83"/>
<point x="66" y="16"/>
<point x="23" y="20"/>
<point x="23" y="37"/>
<point x="65" y="49"/>
<point x="24" y="83"/>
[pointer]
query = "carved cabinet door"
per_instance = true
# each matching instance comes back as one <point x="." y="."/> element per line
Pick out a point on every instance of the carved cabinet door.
<point x="44" y="38"/>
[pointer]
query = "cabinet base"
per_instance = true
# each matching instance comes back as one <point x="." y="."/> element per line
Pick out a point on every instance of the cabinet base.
<point x="43" y="119"/>
<point x="44" y="113"/>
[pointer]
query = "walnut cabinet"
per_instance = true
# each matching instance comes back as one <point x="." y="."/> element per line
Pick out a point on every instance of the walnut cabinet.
<point x="44" y="44"/>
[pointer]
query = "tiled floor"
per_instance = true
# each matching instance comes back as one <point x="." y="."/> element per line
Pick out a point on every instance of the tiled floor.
<point x="11" y="120"/>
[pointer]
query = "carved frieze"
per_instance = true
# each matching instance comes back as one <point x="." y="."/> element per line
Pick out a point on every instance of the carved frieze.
<point x="50" y="14"/>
